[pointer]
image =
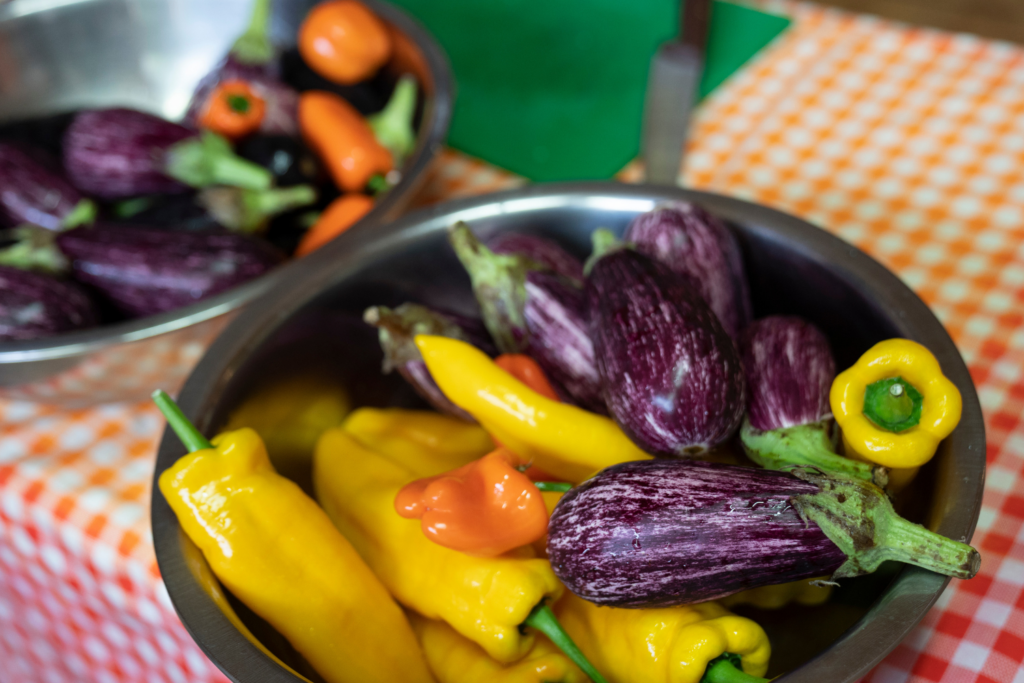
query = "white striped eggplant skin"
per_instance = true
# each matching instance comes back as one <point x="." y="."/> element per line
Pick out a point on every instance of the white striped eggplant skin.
<point x="34" y="305"/>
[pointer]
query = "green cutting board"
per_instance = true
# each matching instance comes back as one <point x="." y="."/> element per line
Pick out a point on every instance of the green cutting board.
<point x="554" y="89"/>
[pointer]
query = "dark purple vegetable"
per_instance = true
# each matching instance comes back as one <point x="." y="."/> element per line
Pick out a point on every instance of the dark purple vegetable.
<point x="530" y="309"/>
<point x="145" y="271"/>
<point x="32" y="193"/>
<point x="33" y="305"/>
<point x="116" y="153"/>
<point x="397" y="329"/>
<point x="540" y="250"/>
<point x="656" y="533"/>
<point x="672" y="376"/>
<point x="290" y="161"/>
<point x="789" y="370"/>
<point x="45" y="133"/>
<point x="368" y="97"/>
<point x="691" y="241"/>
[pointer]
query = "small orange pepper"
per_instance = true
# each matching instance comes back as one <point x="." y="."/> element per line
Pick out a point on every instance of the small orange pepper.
<point x="233" y="110"/>
<point x="485" y="508"/>
<point x="339" y="216"/>
<point x="526" y="370"/>
<point x="344" y="42"/>
<point x="343" y="140"/>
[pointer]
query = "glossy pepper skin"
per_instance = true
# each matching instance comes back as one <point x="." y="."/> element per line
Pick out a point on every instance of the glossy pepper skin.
<point x="277" y="551"/>
<point x="568" y="442"/>
<point x="940" y="408"/>
<point x="485" y="508"/>
<point x="343" y="41"/>
<point x="454" y="659"/>
<point x="343" y="140"/>
<point x="665" y="645"/>
<point x="484" y="599"/>
<point x="426" y="442"/>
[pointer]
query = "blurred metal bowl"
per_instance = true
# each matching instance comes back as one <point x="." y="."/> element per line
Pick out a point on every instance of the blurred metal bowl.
<point x="61" y="55"/>
<point x="314" y="324"/>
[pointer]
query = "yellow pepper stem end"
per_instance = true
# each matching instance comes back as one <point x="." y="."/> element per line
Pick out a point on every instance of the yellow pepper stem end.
<point x="186" y="431"/>
<point x="726" y="669"/>
<point x="545" y="621"/>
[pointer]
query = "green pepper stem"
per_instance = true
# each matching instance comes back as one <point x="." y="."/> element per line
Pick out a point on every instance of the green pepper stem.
<point x="893" y="404"/>
<point x="377" y="184"/>
<point x="556" y="486"/>
<point x="186" y="431"/>
<point x="808" y="444"/>
<point x="545" y="621"/>
<point x="724" y="671"/>
<point x="253" y="46"/>
<point x="392" y="126"/>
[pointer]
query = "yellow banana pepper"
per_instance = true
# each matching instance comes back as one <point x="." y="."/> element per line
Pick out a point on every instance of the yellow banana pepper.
<point x="485" y="599"/>
<point x="277" y="551"/>
<point x="569" y="442"/>
<point x="428" y="443"/>
<point x="773" y="597"/>
<point x="455" y="659"/>
<point x="664" y="645"/>
<point x="894" y="405"/>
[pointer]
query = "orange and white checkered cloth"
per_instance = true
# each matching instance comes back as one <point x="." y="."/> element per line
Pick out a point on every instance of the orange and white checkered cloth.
<point x="907" y="142"/>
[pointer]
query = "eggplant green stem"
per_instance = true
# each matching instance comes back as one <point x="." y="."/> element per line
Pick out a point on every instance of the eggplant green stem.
<point x="249" y="210"/>
<point x="603" y="241"/>
<point x="253" y="46"/>
<point x="182" y="426"/>
<point x="805" y="445"/>
<point x="725" y="670"/>
<point x="34" y="248"/>
<point x="859" y="518"/>
<point x="209" y="160"/>
<point x="392" y="126"/>
<point x="545" y="621"/>
<point x="397" y="328"/>
<point x="84" y="213"/>
<point x="555" y="486"/>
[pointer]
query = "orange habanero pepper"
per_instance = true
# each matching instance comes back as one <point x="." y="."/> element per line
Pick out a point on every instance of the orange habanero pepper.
<point x="484" y="508"/>
<point x="339" y="216"/>
<point x="344" y="42"/>
<point x="343" y="140"/>
<point x="233" y="110"/>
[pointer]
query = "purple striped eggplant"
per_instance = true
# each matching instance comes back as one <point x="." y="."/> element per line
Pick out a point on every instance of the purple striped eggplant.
<point x="32" y="193"/>
<point x="399" y="326"/>
<point x="144" y="271"/>
<point x="33" y="305"/>
<point x="116" y="153"/>
<point x="691" y="241"/>
<point x="789" y="370"/>
<point x="672" y="376"/>
<point x="656" y="533"/>
<point x="531" y="309"/>
<point x="540" y="250"/>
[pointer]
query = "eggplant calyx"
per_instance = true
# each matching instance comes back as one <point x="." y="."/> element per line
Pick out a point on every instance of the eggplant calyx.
<point x="859" y="518"/>
<point x="604" y="242"/>
<point x="392" y="126"/>
<point x="254" y="46"/>
<point x="208" y="159"/>
<point x="247" y="211"/>
<point x="499" y="283"/>
<point x="84" y="213"/>
<point x="805" y="445"/>
<point x="397" y="328"/>
<point x="33" y="248"/>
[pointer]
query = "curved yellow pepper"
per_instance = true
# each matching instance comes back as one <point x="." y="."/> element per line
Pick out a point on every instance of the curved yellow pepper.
<point x="569" y="442"/>
<point x="275" y="549"/>
<point x="483" y="598"/>
<point x="665" y="645"/>
<point x="940" y="410"/>
<point x="428" y="443"/>
<point x="454" y="659"/>
<point x="773" y="597"/>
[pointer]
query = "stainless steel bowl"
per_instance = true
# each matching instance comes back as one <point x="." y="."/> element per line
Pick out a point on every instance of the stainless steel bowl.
<point x="149" y="54"/>
<point x="313" y="322"/>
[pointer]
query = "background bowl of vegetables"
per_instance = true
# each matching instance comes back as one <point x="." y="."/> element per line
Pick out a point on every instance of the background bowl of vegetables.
<point x="163" y="161"/>
<point x="302" y="361"/>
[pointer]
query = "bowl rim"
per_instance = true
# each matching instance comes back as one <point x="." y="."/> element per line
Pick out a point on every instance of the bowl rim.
<point x="430" y="139"/>
<point x="898" y="610"/>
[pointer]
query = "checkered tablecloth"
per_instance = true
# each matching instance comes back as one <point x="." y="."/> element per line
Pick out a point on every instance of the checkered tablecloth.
<point x="905" y="141"/>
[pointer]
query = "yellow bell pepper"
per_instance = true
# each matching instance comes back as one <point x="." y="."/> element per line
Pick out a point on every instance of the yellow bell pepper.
<point x="485" y="599"/>
<point x="455" y="659"/>
<point x="664" y="645"/>
<point x="894" y="405"/>
<point x="773" y="597"/>
<point x="428" y="443"/>
<point x="277" y="551"/>
<point x="569" y="442"/>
